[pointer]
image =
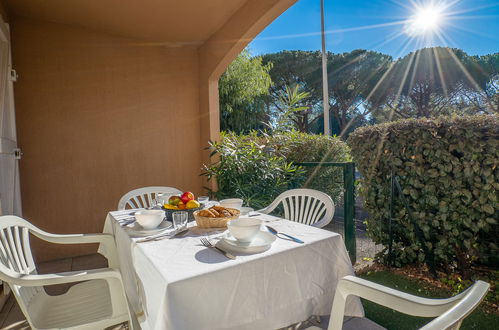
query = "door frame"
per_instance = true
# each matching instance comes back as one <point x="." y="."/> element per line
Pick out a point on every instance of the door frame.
<point x="8" y="145"/>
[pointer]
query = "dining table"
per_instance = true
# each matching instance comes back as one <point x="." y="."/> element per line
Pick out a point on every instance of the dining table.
<point x="178" y="283"/>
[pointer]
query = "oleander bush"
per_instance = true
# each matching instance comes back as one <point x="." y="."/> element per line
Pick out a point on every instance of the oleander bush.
<point x="257" y="167"/>
<point x="448" y="172"/>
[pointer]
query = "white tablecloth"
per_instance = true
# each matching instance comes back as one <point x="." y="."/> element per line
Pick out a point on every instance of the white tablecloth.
<point x="179" y="284"/>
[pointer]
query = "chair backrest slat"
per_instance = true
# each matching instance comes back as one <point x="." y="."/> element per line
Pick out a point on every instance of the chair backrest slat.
<point x="15" y="250"/>
<point x="19" y="249"/>
<point x="306" y="211"/>
<point x="5" y="251"/>
<point x="291" y="208"/>
<point x="316" y="203"/>
<point x="144" y="197"/>
<point x="137" y="201"/>
<point x="287" y="213"/>
<point x="27" y="251"/>
<point x="299" y="207"/>
<point x="12" y="250"/>
<point x="306" y="206"/>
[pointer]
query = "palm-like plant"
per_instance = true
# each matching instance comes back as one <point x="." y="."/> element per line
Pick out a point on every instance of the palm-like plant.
<point x="292" y="109"/>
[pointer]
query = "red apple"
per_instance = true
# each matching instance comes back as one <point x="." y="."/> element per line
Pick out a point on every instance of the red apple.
<point x="187" y="196"/>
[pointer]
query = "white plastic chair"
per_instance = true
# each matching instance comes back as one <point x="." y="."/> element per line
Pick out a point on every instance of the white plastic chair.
<point x="97" y="303"/>
<point x="308" y="206"/>
<point x="449" y="313"/>
<point x="143" y="197"/>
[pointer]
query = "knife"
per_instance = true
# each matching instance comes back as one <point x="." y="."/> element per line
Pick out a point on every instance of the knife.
<point x="158" y="237"/>
<point x="275" y="232"/>
<point x="225" y="253"/>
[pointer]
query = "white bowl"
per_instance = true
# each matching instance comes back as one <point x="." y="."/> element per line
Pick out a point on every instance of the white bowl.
<point x="149" y="219"/>
<point x="235" y="203"/>
<point x="246" y="210"/>
<point x="244" y="229"/>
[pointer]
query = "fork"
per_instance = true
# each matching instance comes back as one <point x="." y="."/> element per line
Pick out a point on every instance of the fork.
<point x="208" y="244"/>
<point x="126" y="221"/>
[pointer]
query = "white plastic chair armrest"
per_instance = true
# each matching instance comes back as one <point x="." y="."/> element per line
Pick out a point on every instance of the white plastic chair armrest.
<point x="270" y="208"/>
<point x="453" y="318"/>
<point x="73" y="238"/>
<point x="106" y="240"/>
<point x="66" y="277"/>
<point x="391" y="298"/>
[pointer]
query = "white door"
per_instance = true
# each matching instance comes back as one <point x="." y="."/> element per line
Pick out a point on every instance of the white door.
<point x="10" y="194"/>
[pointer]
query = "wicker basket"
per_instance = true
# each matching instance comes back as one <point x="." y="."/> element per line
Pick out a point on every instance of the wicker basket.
<point x="207" y="222"/>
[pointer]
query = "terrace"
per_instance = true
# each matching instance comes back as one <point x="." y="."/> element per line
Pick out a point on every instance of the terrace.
<point x="102" y="97"/>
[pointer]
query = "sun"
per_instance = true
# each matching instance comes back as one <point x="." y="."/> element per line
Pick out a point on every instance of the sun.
<point x="426" y="20"/>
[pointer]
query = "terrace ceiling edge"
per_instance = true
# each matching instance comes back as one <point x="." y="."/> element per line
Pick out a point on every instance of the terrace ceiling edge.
<point x="10" y="193"/>
<point x="221" y="49"/>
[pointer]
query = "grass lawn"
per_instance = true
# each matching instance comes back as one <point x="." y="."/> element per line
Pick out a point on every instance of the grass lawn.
<point x="391" y="319"/>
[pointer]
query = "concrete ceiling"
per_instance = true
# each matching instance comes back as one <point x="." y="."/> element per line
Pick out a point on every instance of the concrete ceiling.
<point x="170" y="21"/>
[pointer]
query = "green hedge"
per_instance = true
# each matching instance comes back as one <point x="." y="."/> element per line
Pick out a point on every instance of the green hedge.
<point x="448" y="171"/>
<point x="302" y="147"/>
<point x="258" y="167"/>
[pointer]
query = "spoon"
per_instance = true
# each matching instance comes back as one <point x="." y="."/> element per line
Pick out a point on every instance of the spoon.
<point x="275" y="232"/>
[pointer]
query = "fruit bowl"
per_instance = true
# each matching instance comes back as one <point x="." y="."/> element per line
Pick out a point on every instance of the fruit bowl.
<point x="190" y="216"/>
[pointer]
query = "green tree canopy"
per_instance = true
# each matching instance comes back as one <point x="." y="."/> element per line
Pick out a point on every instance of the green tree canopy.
<point x="364" y="87"/>
<point x="437" y="81"/>
<point x="351" y="77"/>
<point x="297" y="71"/>
<point x="241" y="89"/>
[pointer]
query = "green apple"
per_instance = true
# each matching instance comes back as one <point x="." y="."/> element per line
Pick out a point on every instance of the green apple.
<point x="174" y="200"/>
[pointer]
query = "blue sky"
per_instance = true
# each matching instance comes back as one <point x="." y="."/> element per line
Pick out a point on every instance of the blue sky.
<point x="472" y="25"/>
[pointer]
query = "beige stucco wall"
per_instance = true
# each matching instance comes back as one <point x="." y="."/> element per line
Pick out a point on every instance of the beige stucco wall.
<point x="97" y="116"/>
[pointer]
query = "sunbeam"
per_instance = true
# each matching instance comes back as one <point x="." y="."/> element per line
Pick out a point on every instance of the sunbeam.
<point x="440" y="72"/>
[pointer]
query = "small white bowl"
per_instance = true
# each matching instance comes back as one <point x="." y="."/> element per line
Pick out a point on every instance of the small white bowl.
<point x="246" y="210"/>
<point x="235" y="203"/>
<point x="149" y="219"/>
<point x="244" y="229"/>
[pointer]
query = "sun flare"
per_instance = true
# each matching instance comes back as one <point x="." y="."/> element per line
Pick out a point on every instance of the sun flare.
<point x="426" y="20"/>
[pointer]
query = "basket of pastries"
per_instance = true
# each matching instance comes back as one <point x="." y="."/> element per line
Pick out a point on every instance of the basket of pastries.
<point x="215" y="216"/>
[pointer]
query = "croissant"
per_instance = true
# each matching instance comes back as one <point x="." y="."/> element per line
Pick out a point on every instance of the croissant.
<point x="226" y="213"/>
<point x="219" y="208"/>
<point x="207" y="213"/>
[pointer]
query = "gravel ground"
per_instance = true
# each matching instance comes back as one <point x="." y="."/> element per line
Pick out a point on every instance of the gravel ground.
<point x="366" y="248"/>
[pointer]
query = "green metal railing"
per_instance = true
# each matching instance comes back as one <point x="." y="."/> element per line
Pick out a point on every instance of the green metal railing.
<point x="348" y="201"/>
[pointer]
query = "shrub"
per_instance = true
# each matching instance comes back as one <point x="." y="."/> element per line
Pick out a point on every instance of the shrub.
<point x="448" y="171"/>
<point x="258" y="167"/>
<point x="249" y="169"/>
<point x="303" y="147"/>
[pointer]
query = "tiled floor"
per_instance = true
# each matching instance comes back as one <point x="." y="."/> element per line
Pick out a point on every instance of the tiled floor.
<point x="11" y="316"/>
